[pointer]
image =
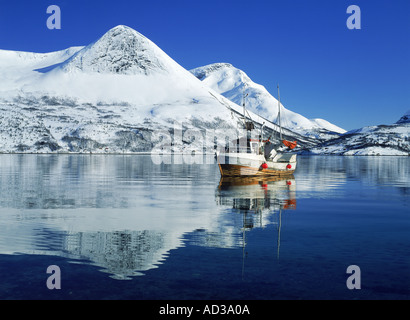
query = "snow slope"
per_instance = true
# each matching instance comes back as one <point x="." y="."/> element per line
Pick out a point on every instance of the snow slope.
<point x="109" y="95"/>
<point x="19" y="67"/>
<point x="374" y="140"/>
<point x="234" y="83"/>
<point x="113" y="95"/>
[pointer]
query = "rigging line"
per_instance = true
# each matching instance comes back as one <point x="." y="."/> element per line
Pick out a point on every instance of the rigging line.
<point x="223" y="103"/>
<point x="249" y="116"/>
<point x="273" y="125"/>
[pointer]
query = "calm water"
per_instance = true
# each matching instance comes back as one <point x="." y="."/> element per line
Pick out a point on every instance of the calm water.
<point x="121" y="227"/>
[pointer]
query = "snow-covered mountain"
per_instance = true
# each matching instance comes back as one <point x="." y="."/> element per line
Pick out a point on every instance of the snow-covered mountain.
<point x="113" y="95"/>
<point x="121" y="50"/>
<point x="109" y="96"/>
<point x="374" y="140"/>
<point x="233" y="84"/>
<point x="405" y="118"/>
<point x="122" y="93"/>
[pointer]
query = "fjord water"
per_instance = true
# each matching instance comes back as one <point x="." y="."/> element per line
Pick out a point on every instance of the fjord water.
<point x="122" y="227"/>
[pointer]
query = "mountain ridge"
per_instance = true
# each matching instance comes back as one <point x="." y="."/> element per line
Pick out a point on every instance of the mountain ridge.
<point x="405" y="118"/>
<point x="233" y="83"/>
<point x="393" y="139"/>
<point x="83" y="105"/>
<point x="121" y="50"/>
<point x="116" y="94"/>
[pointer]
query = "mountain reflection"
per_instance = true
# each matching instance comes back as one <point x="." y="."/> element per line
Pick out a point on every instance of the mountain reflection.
<point x="124" y="214"/>
<point x="122" y="254"/>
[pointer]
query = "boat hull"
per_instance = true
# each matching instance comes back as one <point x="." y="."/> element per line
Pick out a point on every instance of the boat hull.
<point x="234" y="170"/>
<point x="235" y="165"/>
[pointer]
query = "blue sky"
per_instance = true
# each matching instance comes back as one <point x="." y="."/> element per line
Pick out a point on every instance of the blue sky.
<point x="352" y="78"/>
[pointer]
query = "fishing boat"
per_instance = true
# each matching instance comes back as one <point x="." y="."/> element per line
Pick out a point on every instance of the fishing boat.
<point x="257" y="157"/>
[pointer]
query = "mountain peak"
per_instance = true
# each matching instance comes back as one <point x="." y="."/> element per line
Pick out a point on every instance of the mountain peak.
<point x="121" y="50"/>
<point x="405" y="118"/>
<point x="122" y="27"/>
<point x="202" y="72"/>
<point x="125" y="31"/>
<point x="232" y="83"/>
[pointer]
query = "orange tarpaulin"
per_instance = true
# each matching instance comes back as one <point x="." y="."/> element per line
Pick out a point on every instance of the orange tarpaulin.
<point x="289" y="144"/>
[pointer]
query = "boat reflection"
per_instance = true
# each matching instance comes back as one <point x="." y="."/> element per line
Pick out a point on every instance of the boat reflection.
<point x="254" y="197"/>
<point x="260" y="201"/>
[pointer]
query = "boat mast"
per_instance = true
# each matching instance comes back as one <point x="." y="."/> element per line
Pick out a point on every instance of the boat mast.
<point x="244" y="109"/>
<point x="244" y="95"/>
<point x="279" y="120"/>
<point x="279" y="228"/>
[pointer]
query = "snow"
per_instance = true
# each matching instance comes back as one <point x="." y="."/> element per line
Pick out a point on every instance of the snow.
<point x="376" y="151"/>
<point x="232" y="83"/>
<point x="374" y="140"/>
<point x="121" y="50"/>
<point x="327" y="125"/>
<point x="115" y="93"/>
<point x="17" y="67"/>
<point x="120" y="83"/>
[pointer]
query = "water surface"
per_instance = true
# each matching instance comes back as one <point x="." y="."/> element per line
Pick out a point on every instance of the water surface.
<point x="122" y="227"/>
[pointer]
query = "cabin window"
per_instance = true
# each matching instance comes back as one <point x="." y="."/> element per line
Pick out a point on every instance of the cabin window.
<point x="254" y="147"/>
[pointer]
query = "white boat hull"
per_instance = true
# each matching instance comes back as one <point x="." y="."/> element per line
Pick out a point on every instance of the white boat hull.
<point x="248" y="164"/>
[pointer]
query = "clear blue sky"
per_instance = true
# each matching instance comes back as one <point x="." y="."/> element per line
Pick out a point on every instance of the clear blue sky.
<point x="352" y="78"/>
